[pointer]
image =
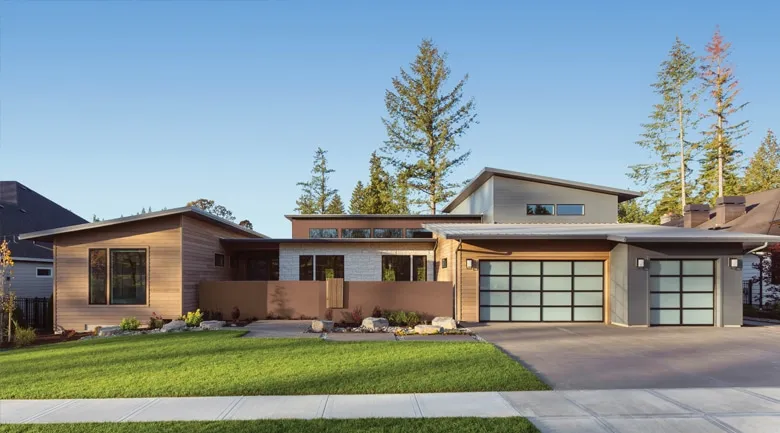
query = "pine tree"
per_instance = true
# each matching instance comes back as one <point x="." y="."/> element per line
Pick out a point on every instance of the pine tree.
<point x="357" y="202"/>
<point x="632" y="211"/>
<point x="336" y="206"/>
<point x="378" y="195"/>
<point x="315" y="194"/>
<point x="666" y="135"/>
<point x="763" y="171"/>
<point x="423" y="125"/>
<point x="246" y="224"/>
<point x="401" y="194"/>
<point x="720" y="166"/>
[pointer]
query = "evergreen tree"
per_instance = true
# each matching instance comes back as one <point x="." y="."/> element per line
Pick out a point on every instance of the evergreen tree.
<point x="378" y="195"/>
<point x="720" y="165"/>
<point x="763" y="171"/>
<point x="336" y="206"/>
<point x="211" y="207"/>
<point x="401" y="193"/>
<point x="315" y="194"/>
<point x="666" y="135"/>
<point x="632" y="211"/>
<point x="246" y="224"/>
<point x="357" y="202"/>
<point x="423" y="125"/>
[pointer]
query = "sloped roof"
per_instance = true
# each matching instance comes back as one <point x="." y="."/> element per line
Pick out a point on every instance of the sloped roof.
<point x="761" y="210"/>
<point x="613" y="232"/>
<point x="23" y="210"/>
<point x="488" y="172"/>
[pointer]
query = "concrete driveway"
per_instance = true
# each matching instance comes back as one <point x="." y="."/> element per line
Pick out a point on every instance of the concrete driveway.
<point x="593" y="356"/>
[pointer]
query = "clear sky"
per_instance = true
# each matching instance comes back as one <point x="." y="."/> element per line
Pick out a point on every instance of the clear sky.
<point x="108" y="107"/>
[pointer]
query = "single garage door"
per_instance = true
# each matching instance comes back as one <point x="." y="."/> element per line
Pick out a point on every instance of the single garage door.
<point x="541" y="291"/>
<point x="682" y="292"/>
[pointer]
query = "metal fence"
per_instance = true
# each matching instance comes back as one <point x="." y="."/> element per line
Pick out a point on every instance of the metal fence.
<point x="33" y="313"/>
<point x="747" y="292"/>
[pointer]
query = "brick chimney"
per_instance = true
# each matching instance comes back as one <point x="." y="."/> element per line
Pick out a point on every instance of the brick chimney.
<point x="729" y="208"/>
<point x="668" y="217"/>
<point x="695" y="215"/>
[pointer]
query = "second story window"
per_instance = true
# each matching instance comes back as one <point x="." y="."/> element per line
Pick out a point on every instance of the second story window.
<point x="323" y="233"/>
<point x="356" y="233"/>
<point x="418" y="233"/>
<point x="540" y="209"/>
<point x="388" y="233"/>
<point x="570" y="209"/>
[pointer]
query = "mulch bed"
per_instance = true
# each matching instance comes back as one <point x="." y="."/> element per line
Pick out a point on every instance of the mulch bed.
<point x="42" y="339"/>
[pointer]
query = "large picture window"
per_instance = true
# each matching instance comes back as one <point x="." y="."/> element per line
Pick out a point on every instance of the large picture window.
<point x="306" y="264"/>
<point x="329" y="267"/>
<point x="404" y="268"/>
<point x="117" y="277"/>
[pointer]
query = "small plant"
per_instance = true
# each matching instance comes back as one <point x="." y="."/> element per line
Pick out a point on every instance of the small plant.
<point x="156" y="321"/>
<point x="329" y="314"/>
<point x="330" y="273"/>
<point x="193" y="318"/>
<point x="235" y="314"/>
<point x="412" y="319"/>
<point x="397" y="318"/>
<point x="129" y="324"/>
<point x="388" y="274"/>
<point x="377" y="312"/>
<point x="357" y="314"/>
<point x="24" y="336"/>
<point x="96" y="331"/>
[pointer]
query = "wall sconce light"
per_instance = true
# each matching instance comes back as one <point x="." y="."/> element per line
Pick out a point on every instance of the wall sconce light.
<point x="735" y="263"/>
<point x="470" y="263"/>
<point x="641" y="263"/>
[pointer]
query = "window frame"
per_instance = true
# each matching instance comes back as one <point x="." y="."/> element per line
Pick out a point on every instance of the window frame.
<point x="322" y="230"/>
<point x="412" y="270"/>
<point x="396" y="256"/>
<point x="558" y="213"/>
<point x="681" y="292"/>
<point x="335" y="274"/>
<point x="418" y="230"/>
<point x="528" y="207"/>
<point x="399" y="230"/>
<point x="219" y="260"/>
<point x="366" y="231"/>
<point x="47" y="268"/>
<point x="301" y="258"/>
<point x="108" y="275"/>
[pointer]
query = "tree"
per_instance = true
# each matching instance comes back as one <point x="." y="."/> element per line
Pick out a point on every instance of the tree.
<point x="423" y="125"/>
<point x="719" y="165"/>
<point x="315" y="194"/>
<point x="95" y="218"/>
<point x="7" y="297"/>
<point x="763" y="170"/>
<point x="665" y="136"/>
<point x="202" y="203"/>
<point x="378" y="195"/>
<point x="212" y="208"/>
<point x="336" y="206"/>
<point x="246" y="224"/>
<point x="401" y="193"/>
<point x="357" y="203"/>
<point x="632" y="211"/>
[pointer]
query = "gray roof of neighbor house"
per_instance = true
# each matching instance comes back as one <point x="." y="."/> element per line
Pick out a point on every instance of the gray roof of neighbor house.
<point x="762" y="210"/>
<point x="23" y="210"/>
<point x="48" y="235"/>
<point x="613" y="232"/>
<point x="488" y="172"/>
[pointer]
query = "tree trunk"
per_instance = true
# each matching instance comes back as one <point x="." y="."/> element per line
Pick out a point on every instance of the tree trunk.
<point x="720" y="144"/>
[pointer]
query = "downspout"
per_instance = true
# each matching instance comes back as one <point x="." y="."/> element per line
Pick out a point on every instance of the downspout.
<point x="455" y="287"/>
<point x="756" y="252"/>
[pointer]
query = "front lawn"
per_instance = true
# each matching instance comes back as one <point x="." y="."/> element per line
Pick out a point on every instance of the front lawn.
<point x="220" y="363"/>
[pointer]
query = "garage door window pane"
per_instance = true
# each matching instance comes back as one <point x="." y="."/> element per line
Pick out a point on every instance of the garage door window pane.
<point x="494" y="283"/>
<point x="494" y="268"/>
<point x="665" y="317"/>
<point x="557" y="283"/>
<point x="588" y="298"/>
<point x="526" y="314"/>
<point x="526" y="283"/>
<point x="557" y="268"/>
<point x="697" y="300"/>
<point x="697" y="284"/>
<point x="664" y="267"/>
<point x="588" y="283"/>
<point x="665" y="284"/>
<point x="697" y="267"/>
<point x="497" y="298"/>
<point x="527" y="298"/>
<point x="697" y="317"/>
<point x="664" y="300"/>
<point x="557" y="314"/>
<point x="552" y="298"/>
<point x="526" y="268"/>
<point x="493" y="313"/>
<point x="588" y="268"/>
<point x="588" y="314"/>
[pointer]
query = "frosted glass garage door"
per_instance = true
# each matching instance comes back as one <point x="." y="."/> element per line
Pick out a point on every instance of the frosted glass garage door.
<point x="541" y="291"/>
<point x="682" y="292"/>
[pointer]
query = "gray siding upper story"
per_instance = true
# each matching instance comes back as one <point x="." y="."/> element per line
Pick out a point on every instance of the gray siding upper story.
<point x="26" y="283"/>
<point x="480" y="202"/>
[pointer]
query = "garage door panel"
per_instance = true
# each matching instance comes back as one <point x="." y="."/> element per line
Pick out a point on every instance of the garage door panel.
<point x="697" y="284"/>
<point x="665" y="300"/>
<point x="499" y="314"/>
<point x="556" y="314"/>
<point x="588" y="314"/>
<point x="665" y="317"/>
<point x="697" y="300"/>
<point x="588" y="268"/>
<point x="527" y="298"/>
<point x="665" y="284"/>
<point x="494" y="298"/>
<point x="526" y="283"/>
<point x="588" y="283"/>
<point x="556" y="268"/>
<point x="556" y="283"/>
<point x="526" y="314"/>
<point x="493" y="268"/>
<point x="494" y="283"/>
<point x="526" y="268"/>
<point x="555" y="298"/>
<point x="682" y="292"/>
<point x="697" y="267"/>
<point x="697" y="317"/>
<point x="589" y="298"/>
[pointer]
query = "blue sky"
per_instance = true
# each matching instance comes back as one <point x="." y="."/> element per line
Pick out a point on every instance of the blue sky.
<point x="109" y="107"/>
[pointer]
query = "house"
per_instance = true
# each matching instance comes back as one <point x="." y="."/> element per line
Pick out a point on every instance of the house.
<point x="753" y="213"/>
<point x="23" y="210"/>
<point x="510" y="247"/>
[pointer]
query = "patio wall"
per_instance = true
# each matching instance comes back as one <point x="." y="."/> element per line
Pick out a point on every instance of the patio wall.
<point x="307" y="298"/>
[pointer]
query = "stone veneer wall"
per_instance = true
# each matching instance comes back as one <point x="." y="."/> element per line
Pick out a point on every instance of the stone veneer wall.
<point x="362" y="262"/>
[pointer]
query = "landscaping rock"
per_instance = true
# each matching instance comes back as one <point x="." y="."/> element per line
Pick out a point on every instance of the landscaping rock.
<point x="109" y="330"/>
<point x="444" y="322"/>
<point x="375" y="323"/>
<point x="175" y="325"/>
<point x="322" y="326"/>
<point x="212" y="324"/>
<point x="428" y="329"/>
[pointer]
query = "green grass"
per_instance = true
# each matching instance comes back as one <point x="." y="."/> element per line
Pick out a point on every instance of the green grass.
<point x="220" y="363"/>
<point x="376" y="425"/>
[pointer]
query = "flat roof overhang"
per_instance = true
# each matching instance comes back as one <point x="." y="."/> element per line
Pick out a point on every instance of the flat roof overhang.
<point x="443" y="216"/>
<point x="249" y="241"/>
<point x="618" y="238"/>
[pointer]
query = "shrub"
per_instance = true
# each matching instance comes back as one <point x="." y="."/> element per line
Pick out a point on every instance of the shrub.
<point x="330" y="273"/>
<point x="357" y="314"/>
<point x="156" y="321"/>
<point x="24" y="336"/>
<point x="96" y="331"/>
<point x="235" y="314"/>
<point x="412" y="319"/>
<point x="193" y="318"/>
<point x="329" y="314"/>
<point x="397" y="318"/>
<point x="129" y="324"/>
<point x="377" y="312"/>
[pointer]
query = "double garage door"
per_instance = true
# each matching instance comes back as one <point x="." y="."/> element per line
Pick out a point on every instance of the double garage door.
<point x="682" y="292"/>
<point x="541" y="291"/>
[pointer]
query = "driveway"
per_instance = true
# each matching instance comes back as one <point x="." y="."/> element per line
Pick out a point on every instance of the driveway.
<point x="588" y="356"/>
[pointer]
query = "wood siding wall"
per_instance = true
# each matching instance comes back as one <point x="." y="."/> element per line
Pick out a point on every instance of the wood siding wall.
<point x="162" y="238"/>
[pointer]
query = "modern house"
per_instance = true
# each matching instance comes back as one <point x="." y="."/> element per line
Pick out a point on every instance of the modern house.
<point x="510" y="247"/>
<point x="23" y="210"/>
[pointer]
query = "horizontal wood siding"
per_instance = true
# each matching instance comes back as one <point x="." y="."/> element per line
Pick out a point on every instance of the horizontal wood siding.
<point x="162" y="238"/>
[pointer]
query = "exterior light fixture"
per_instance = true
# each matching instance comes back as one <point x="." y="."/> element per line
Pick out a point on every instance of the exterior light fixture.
<point x="735" y="263"/>
<point x="470" y="263"/>
<point x="641" y="263"/>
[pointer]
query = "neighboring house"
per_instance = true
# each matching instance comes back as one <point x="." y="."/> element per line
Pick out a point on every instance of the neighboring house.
<point x="23" y="210"/>
<point x="510" y="247"/>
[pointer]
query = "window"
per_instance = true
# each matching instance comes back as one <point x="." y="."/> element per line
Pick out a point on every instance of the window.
<point x="418" y="233"/>
<point x="329" y="267"/>
<point x="306" y="264"/>
<point x="388" y="233"/>
<point x="396" y="268"/>
<point x="444" y="263"/>
<point x="98" y="276"/>
<point x="323" y="233"/>
<point x="540" y="209"/>
<point x="356" y="233"/>
<point x="43" y="272"/>
<point x="570" y="209"/>
<point x="128" y="277"/>
<point x="419" y="268"/>
<point x="219" y="260"/>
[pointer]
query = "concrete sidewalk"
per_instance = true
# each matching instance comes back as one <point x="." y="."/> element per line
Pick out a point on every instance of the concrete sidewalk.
<point x="754" y="410"/>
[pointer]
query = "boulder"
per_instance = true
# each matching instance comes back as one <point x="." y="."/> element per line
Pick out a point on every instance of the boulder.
<point x="444" y="322"/>
<point x="175" y="325"/>
<point x="212" y="324"/>
<point x="109" y="330"/>
<point x="428" y="329"/>
<point x="375" y="323"/>
<point x="322" y="326"/>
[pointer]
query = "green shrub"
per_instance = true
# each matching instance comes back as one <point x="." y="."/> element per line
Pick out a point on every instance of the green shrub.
<point x="156" y="321"/>
<point x="413" y="319"/>
<point x="330" y="273"/>
<point x="24" y="336"/>
<point x="193" y="318"/>
<point x="129" y="324"/>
